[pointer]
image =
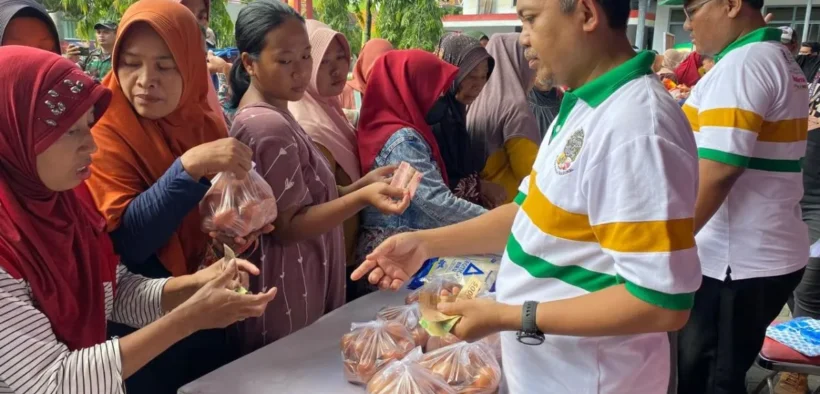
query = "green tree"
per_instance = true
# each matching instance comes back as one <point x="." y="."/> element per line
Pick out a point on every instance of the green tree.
<point x="86" y="13"/>
<point x="405" y="23"/>
<point x="338" y="14"/>
<point x="411" y="23"/>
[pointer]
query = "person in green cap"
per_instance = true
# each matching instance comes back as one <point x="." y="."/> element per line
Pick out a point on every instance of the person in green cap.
<point x="98" y="63"/>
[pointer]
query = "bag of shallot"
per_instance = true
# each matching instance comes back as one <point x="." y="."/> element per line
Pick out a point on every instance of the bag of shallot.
<point x="237" y="207"/>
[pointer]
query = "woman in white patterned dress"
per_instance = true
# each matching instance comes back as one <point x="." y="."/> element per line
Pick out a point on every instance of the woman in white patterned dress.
<point x="59" y="277"/>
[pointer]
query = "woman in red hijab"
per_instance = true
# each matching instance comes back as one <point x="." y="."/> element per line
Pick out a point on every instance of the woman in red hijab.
<point x="393" y="129"/>
<point x="59" y="277"/>
<point x="687" y="73"/>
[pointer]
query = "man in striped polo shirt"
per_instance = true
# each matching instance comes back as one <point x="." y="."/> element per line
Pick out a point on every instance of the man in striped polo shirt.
<point x="749" y="118"/>
<point x="600" y="257"/>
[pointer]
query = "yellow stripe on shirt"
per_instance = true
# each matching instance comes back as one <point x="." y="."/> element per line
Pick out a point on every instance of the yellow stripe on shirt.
<point x="732" y="118"/>
<point x="627" y="237"/>
<point x="691" y="115"/>
<point x="650" y="236"/>
<point x="554" y="220"/>
<point x="788" y="130"/>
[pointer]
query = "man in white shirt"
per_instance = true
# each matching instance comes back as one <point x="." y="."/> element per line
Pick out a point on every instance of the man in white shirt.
<point x="749" y="118"/>
<point x="600" y="257"/>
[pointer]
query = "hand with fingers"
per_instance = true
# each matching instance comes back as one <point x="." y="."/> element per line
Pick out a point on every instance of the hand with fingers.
<point x="381" y="174"/>
<point x="72" y="52"/>
<point x="387" y="199"/>
<point x="226" y="154"/>
<point x="393" y="262"/>
<point x="480" y="317"/>
<point x="239" y="244"/>
<point x="217" y="305"/>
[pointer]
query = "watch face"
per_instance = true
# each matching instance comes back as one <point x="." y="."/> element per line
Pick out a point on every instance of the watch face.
<point x="530" y="339"/>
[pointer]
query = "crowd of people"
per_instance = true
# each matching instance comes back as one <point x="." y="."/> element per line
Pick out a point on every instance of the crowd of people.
<point x="624" y="212"/>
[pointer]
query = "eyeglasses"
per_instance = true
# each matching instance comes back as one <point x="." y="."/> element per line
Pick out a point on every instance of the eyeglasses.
<point x="691" y="10"/>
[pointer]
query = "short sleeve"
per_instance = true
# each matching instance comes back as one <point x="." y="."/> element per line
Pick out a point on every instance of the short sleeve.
<point x="277" y="154"/>
<point x="732" y="105"/>
<point x="641" y="201"/>
<point x="523" y="189"/>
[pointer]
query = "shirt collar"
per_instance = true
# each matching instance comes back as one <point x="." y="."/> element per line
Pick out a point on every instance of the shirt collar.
<point x="760" y="35"/>
<point x="599" y="89"/>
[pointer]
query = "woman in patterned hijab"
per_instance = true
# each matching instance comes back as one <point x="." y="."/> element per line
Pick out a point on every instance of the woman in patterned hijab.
<point x="448" y="118"/>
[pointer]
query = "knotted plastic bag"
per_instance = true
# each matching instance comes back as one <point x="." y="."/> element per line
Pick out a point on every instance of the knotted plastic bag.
<point x="469" y="368"/>
<point x="409" y="316"/>
<point x="408" y="377"/>
<point x="439" y="283"/>
<point x="237" y="207"/>
<point x="368" y="347"/>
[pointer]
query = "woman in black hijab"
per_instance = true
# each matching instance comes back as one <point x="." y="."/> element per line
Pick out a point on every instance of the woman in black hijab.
<point x="27" y="23"/>
<point x="448" y="119"/>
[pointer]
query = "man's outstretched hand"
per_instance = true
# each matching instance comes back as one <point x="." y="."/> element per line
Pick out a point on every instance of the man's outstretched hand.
<point x="393" y="262"/>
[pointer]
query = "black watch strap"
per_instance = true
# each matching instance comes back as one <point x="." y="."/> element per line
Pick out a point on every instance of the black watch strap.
<point x="528" y="324"/>
<point x="530" y="334"/>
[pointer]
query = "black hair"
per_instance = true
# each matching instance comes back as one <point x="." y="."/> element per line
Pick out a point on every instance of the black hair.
<point x="617" y="11"/>
<point x="484" y="37"/>
<point x="253" y="23"/>
<point x="815" y="46"/>
<point x="756" y="4"/>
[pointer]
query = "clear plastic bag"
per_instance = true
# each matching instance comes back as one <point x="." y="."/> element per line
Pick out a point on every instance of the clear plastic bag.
<point x="469" y="368"/>
<point x="436" y="343"/>
<point x="409" y="315"/>
<point x="368" y="347"/>
<point x="237" y="207"/>
<point x="442" y="283"/>
<point x="408" y="377"/>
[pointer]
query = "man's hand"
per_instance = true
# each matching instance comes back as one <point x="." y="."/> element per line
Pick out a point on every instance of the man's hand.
<point x="481" y="317"/>
<point x="393" y="262"/>
<point x="217" y="65"/>
<point x="72" y="52"/>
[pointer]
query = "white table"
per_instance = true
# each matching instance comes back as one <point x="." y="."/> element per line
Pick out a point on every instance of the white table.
<point x="308" y="361"/>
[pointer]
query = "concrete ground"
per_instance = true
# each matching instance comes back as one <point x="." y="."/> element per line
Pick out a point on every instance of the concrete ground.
<point x="757" y="374"/>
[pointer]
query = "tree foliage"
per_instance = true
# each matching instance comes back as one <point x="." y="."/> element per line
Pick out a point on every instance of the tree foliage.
<point x="87" y="13"/>
<point x="339" y="15"/>
<point x="411" y="23"/>
<point x="405" y="23"/>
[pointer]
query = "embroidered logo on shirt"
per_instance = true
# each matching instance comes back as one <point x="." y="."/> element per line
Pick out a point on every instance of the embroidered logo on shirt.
<point x="563" y="162"/>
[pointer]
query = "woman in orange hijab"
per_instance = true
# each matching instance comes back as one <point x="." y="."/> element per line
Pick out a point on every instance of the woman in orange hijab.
<point x="159" y="142"/>
<point x="353" y="93"/>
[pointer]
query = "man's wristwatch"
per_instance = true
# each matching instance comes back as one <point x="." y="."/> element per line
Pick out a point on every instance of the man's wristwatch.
<point x="529" y="334"/>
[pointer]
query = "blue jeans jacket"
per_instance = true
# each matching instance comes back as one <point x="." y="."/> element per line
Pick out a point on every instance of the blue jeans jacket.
<point x="433" y="205"/>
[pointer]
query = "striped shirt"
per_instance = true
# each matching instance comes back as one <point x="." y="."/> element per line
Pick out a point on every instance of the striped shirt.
<point x="33" y="361"/>
<point x="610" y="202"/>
<point x="750" y="111"/>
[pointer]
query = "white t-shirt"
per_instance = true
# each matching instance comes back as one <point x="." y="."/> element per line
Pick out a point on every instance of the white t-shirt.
<point x="750" y="111"/>
<point x="610" y="201"/>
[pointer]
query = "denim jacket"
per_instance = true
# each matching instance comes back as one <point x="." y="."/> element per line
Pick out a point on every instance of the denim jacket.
<point x="433" y="205"/>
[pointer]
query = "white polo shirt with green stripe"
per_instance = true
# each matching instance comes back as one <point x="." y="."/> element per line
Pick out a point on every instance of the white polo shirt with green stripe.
<point x="610" y="202"/>
<point x="750" y="111"/>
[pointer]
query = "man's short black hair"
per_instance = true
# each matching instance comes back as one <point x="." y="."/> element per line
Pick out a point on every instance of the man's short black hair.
<point x="815" y="46"/>
<point x="756" y="4"/>
<point x="617" y="11"/>
<point x="484" y="38"/>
